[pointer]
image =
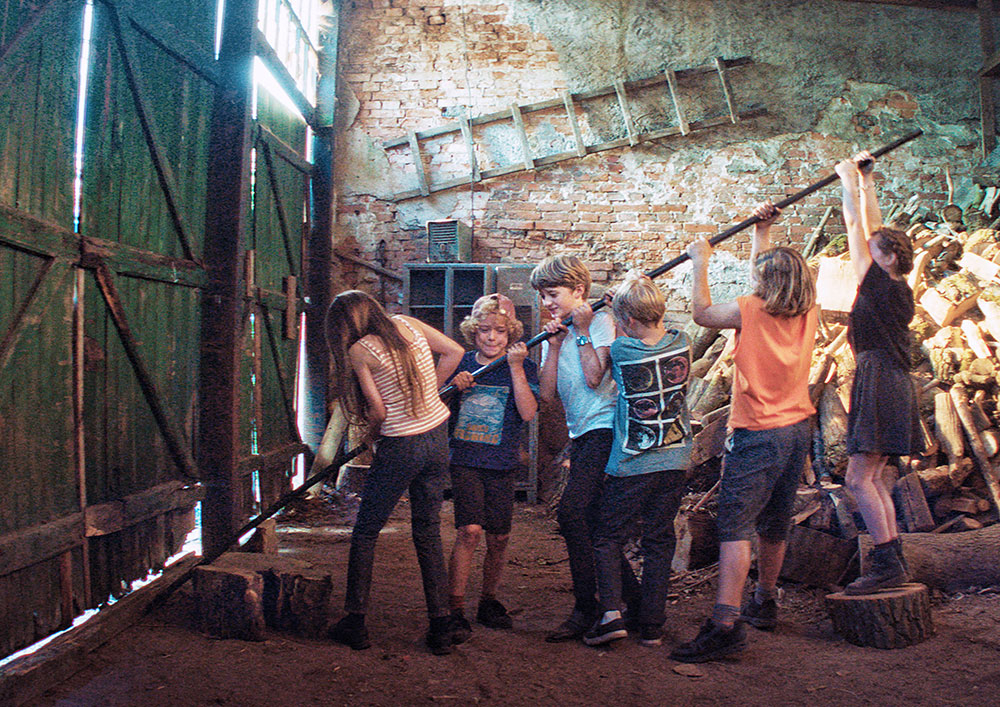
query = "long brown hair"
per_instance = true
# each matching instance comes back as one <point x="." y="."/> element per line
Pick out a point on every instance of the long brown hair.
<point x="352" y="315"/>
<point x="784" y="282"/>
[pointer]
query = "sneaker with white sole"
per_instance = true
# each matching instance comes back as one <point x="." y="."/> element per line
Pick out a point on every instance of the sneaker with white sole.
<point x="609" y="627"/>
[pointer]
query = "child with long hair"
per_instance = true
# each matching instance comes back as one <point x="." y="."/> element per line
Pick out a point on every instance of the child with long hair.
<point x="775" y="332"/>
<point x="485" y="451"/>
<point x="384" y="375"/>
<point x="883" y="416"/>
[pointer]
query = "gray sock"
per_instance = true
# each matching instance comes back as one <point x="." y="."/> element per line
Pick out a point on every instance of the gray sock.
<point x="725" y="615"/>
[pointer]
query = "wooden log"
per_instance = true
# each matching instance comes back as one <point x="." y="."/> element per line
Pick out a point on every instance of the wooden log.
<point x="296" y="595"/>
<point x="949" y="433"/>
<point x="833" y="426"/>
<point x="815" y="558"/>
<point x="230" y="602"/>
<point x="892" y="618"/>
<point x="974" y="338"/>
<point x="264" y="538"/>
<point x="951" y="298"/>
<point x="836" y="285"/>
<point x="938" y="480"/>
<point x="716" y="394"/>
<point x="991" y="317"/>
<point x="951" y="561"/>
<point x="912" y="504"/>
<point x="991" y="477"/>
<point x="959" y="504"/>
<point x="710" y="442"/>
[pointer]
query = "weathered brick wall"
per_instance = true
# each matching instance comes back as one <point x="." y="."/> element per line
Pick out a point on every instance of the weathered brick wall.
<point x="408" y="65"/>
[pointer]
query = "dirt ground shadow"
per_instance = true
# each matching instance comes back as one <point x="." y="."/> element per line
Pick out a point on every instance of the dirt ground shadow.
<point x="165" y="661"/>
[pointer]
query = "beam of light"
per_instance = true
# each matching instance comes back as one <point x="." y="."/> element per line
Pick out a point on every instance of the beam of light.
<point x="81" y="111"/>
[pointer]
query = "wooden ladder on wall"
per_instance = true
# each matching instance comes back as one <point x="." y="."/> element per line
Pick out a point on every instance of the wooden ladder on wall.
<point x="570" y="101"/>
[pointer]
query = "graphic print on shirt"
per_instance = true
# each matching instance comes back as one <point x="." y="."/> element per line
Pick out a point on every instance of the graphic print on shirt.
<point x="480" y="417"/>
<point x="655" y="390"/>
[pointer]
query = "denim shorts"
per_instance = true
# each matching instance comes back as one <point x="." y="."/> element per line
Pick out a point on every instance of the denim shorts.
<point x="761" y="472"/>
<point x="483" y="497"/>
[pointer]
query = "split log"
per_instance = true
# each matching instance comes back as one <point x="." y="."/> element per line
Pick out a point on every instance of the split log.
<point x="960" y="504"/>
<point x="974" y="338"/>
<point x="230" y="602"/>
<point x="939" y="480"/>
<point x="836" y="285"/>
<point x="833" y="426"/>
<point x="949" y="432"/>
<point x="951" y="298"/>
<point x="916" y="279"/>
<point x="892" y="618"/>
<point x="296" y="597"/>
<point x="991" y="476"/>
<point x="815" y="558"/>
<point x="264" y="538"/>
<point x="908" y="495"/>
<point x="716" y="393"/>
<point x="951" y="561"/>
<point x="991" y="317"/>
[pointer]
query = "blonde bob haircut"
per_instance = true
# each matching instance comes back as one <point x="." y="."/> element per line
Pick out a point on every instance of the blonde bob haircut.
<point x="515" y="329"/>
<point x="784" y="282"/>
<point x="639" y="297"/>
<point x="561" y="271"/>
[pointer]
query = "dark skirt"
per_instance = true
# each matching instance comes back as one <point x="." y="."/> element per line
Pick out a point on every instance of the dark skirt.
<point x="883" y="418"/>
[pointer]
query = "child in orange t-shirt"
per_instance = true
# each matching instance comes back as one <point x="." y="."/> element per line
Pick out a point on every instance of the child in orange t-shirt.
<point x="775" y="331"/>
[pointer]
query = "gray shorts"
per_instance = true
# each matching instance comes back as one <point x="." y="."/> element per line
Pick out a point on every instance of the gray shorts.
<point x="761" y="472"/>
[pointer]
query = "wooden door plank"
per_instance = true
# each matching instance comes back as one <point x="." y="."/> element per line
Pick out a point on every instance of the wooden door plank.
<point x="51" y="280"/>
<point x="179" y="448"/>
<point x="164" y="172"/>
<point x="279" y="206"/>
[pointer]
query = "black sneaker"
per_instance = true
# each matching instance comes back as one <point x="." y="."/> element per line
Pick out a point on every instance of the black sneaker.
<point x="572" y="628"/>
<point x="760" y="615"/>
<point x="351" y="631"/>
<point x="605" y="632"/>
<point x="493" y="614"/>
<point x="460" y="628"/>
<point x="439" y="635"/>
<point x="711" y="643"/>
<point x="650" y="635"/>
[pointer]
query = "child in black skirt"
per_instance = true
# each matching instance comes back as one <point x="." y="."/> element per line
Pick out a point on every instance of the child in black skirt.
<point x="883" y="416"/>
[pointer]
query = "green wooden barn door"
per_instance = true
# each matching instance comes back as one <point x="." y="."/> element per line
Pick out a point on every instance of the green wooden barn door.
<point x="143" y="195"/>
<point x="268" y="421"/>
<point x="41" y="523"/>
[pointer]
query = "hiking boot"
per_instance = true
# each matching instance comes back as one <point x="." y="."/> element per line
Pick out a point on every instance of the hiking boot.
<point x="439" y="635"/>
<point x="351" y="631"/>
<point x="712" y="642"/>
<point x="884" y="572"/>
<point x="609" y="627"/>
<point x="493" y="614"/>
<point x="460" y="628"/>
<point x="572" y="628"/>
<point x="897" y="543"/>
<point x="650" y="635"/>
<point x="760" y="615"/>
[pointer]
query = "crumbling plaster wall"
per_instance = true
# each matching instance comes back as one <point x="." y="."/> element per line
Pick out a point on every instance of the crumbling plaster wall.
<point x="834" y="77"/>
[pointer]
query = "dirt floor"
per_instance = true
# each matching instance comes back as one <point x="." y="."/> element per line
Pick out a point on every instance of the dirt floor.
<point x="164" y="660"/>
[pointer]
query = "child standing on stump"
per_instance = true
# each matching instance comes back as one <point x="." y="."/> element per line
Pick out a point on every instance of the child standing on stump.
<point x="644" y="477"/>
<point x="883" y="416"/>
<point x="775" y="333"/>
<point x="384" y="375"/>
<point x="485" y="450"/>
<point x="575" y="366"/>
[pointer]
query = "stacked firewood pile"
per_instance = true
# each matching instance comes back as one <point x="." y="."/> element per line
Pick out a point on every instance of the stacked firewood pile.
<point x="955" y="485"/>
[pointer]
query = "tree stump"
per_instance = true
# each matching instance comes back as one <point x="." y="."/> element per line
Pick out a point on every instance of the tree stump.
<point x="891" y="618"/>
<point x="229" y="602"/>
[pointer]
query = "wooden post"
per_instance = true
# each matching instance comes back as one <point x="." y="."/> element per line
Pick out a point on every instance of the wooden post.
<point x="226" y="213"/>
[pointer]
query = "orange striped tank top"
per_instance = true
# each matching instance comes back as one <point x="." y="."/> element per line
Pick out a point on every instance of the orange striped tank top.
<point x="404" y="420"/>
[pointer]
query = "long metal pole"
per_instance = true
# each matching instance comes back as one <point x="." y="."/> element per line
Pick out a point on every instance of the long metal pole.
<point x="534" y="341"/>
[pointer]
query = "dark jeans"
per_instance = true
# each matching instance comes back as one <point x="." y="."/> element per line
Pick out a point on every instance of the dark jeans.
<point x="654" y="497"/>
<point x="418" y="463"/>
<point x="579" y="514"/>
